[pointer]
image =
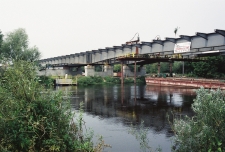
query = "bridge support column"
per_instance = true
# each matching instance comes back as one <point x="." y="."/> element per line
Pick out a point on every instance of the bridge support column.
<point x="109" y="70"/>
<point x="142" y="71"/>
<point x="158" y="69"/>
<point x="126" y="71"/>
<point x="122" y="73"/>
<point x="89" y="70"/>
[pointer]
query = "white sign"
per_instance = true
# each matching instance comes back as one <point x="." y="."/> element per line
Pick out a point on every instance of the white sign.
<point x="182" y="47"/>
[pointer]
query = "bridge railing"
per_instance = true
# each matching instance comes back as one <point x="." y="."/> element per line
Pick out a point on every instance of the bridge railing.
<point x="155" y="56"/>
<point x="134" y="55"/>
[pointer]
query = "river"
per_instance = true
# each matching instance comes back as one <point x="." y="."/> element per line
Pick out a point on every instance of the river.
<point x="112" y="110"/>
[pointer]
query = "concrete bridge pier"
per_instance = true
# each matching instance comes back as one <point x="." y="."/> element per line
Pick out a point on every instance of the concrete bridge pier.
<point x="142" y="70"/>
<point x="158" y="68"/>
<point x="108" y="70"/>
<point x="90" y="71"/>
<point x="127" y="72"/>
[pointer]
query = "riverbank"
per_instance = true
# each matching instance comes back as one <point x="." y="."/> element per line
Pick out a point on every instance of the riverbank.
<point x="187" y="82"/>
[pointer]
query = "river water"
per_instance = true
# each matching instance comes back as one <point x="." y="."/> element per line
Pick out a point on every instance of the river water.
<point x="112" y="110"/>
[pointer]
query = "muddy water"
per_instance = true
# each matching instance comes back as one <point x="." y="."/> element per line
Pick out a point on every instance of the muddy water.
<point x="112" y="110"/>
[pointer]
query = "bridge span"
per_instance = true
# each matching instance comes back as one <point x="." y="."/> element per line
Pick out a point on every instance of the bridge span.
<point x="168" y="50"/>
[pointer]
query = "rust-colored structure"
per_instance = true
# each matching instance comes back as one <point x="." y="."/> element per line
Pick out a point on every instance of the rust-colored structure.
<point x="186" y="82"/>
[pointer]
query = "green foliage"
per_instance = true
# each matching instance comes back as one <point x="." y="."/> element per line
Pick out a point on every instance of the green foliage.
<point x="213" y="68"/>
<point x="128" y="80"/>
<point x="1" y="40"/>
<point x="46" y="80"/>
<point x="206" y="130"/>
<point x="33" y="119"/>
<point x="141" y="79"/>
<point x="89" y="80"/>
<point x="117" y="68"/>
<point x="15" y="47"/>
<point x="113" y="80"/>
<point x="98" y="68"/>
<point x="177" y="67"/>
<point x="153" y="68"/>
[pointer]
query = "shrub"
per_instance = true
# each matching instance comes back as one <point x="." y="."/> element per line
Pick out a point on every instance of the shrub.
<point x="83" y="80"/>
<point x="128" y="80"/>
<point x="206" y="130"/>
<point x="33" y="119"/>
<point x="46" y="80"/>
<point x="114" y="80"/>
<point x="97" y="79"/>
<point x="141" y="79"/>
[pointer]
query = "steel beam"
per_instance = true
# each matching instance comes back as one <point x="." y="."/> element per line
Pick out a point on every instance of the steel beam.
<point x="188" y="38"/>
<point x="203" y="35"/>
<point x="159" y="42"/>
<point x="221" y="32"/>
<point x="147" y="43"/>
<point x="171" y="40"/>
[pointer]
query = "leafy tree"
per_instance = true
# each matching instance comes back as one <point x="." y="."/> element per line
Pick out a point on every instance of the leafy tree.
<point x="152" y="68"/>
<point x="1" y="39"/>
<point x="34" y="119"/>
<point x="117" y="68"/>
<point x="213" y="68"/>
<point x="98" y="68"/>
<point x="15" y="47"/>
<point x="178" y="67"/>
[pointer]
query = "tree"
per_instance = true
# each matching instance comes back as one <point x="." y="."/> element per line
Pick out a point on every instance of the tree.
<point x="15" y="47"/>
<point x="1" y="40"/>
<point x="117" y="68"/>
<point x="213" y="68"/>
<point x="34" y="119"/>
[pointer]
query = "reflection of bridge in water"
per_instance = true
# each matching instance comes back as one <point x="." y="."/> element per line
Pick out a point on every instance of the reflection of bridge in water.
<point x="105" y="102"/>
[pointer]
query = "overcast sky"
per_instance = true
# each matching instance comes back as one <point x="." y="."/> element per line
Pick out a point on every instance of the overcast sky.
<point x="63" y="27"/>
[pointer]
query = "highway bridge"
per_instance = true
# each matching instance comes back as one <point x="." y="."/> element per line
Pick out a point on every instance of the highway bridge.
<point x="184" y="48"/>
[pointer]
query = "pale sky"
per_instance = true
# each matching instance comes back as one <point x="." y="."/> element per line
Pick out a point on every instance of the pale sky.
<point x="63" y="27"/>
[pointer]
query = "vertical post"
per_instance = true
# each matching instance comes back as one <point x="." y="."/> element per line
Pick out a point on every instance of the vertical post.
<point x="136" y="49"/>
<point x="135" y="71"/>
<point x="158" y="68"/>
<point x="135" y="66"/>
<point x="122" y="89"/>
<point x="121" y="72"/>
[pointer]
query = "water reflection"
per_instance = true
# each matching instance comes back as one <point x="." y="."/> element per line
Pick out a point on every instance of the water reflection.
<point x="131" y="104"/>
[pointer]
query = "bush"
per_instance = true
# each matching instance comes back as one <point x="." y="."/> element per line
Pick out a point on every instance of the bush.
<point x="33" y="119"/>
<point x="114" y="80"/>
<point x="206" y="130"/>
<point x="141" y="79"/>
<point x="97" y="79"/>
<point x="128" y="80"/>
<point x="89" y="80"/>
<point x="46" y="80"/>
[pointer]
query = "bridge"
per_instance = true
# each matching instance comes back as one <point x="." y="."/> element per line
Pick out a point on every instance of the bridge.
<point x="184" y="48"/>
